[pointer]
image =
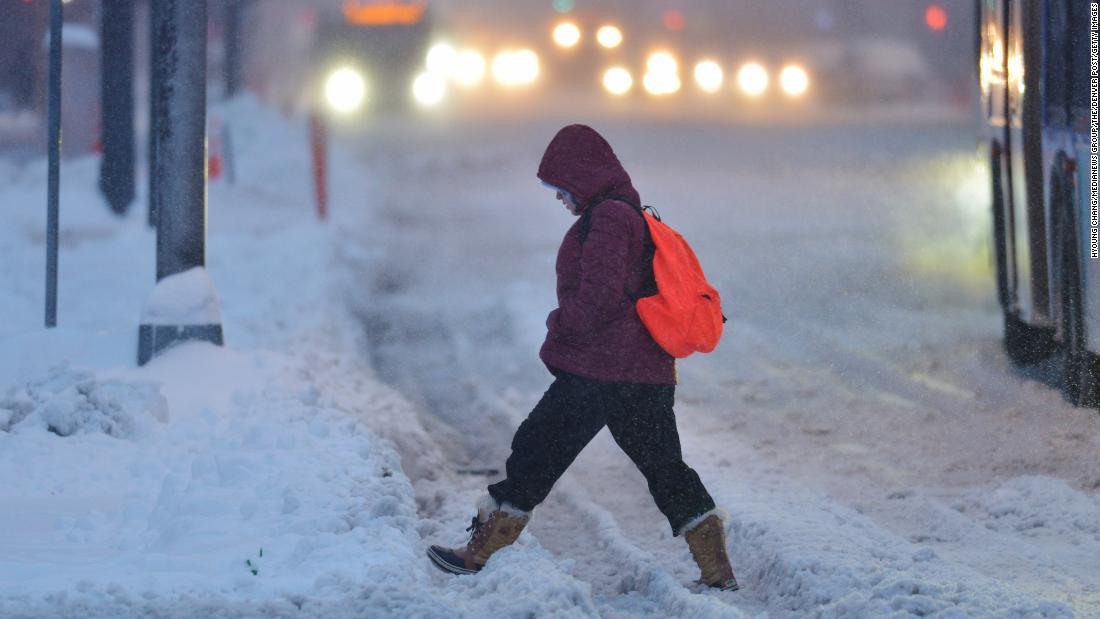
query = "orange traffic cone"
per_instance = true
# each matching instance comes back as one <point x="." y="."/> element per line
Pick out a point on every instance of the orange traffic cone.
<point x="214" y="163"/>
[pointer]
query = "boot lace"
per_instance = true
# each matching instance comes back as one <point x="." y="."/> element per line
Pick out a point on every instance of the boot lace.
<point x="475" y="526"/>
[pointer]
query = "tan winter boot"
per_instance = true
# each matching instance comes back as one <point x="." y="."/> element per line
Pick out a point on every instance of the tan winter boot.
<point x="494" y="527"/>
<point x="706" y="537"/>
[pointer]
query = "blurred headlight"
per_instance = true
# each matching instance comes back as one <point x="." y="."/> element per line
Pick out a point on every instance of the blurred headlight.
<point x="617" y="81"/>
<point x="793" y="80"/>
<point x="345" y="90"/>
<point x="661" y="83"/>
<point x="609" y="37"/>
<point x="709" y="76"/>
<point x="429" y="89"/>
<point x="661" y="74"/>
<point x="469" y="68"/>
<point x="441" y="59"/>
<point x="516" y="68"/>
<point x="661" y="62"/>
<point x="566" y="34"/>
<point x="752" y="78"/>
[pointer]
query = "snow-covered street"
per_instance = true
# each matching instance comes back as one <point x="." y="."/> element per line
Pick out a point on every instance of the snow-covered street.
<point x="342" y="309"/>
<point x="875" y="452"/>
<point x="860" y="422"/>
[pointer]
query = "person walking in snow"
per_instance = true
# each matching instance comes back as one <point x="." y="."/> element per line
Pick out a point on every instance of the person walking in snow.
<point x="607" y="368"/>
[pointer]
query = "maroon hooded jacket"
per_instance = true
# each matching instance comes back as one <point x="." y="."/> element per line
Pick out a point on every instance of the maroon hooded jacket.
<point x="595" y="332"/>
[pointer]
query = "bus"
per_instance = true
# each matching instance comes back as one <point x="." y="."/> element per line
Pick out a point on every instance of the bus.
<point x="1034" y="75"/>
<point x="367" y="54"/>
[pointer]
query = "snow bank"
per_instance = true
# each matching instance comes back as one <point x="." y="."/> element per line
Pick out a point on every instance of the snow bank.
<point x="68" y="402"/>
<point x="243" y="456"/>
<point x="810" y="555"/>
<point x="186" y="298"/>
<point x="259" y="479"/>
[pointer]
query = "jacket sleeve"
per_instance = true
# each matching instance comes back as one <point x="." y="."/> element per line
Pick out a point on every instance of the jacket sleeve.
<point x="601" y="296"/>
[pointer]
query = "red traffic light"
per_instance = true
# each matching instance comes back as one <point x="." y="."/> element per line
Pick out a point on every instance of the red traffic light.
<point x="673" y="20"/>
<point x="936" y="17"/>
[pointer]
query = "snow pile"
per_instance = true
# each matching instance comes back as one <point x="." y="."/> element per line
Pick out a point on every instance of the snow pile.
<point x="1038" y="507"/>
<point x="68" y="402"/>
<point x="186" y="298"/>
<point x="257" y="479"/>
<point x="251" y="460"/>
<point x="811" y="555"/>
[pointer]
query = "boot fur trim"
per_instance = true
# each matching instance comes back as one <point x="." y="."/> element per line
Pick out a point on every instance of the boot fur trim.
<point x="487" y="504"/>
<point x="698" y="520"/>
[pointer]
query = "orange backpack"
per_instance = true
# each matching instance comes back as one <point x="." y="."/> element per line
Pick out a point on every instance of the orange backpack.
<point x="685" y="315"/>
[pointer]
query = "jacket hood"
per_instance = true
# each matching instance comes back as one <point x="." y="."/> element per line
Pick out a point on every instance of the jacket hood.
<point x="580" y="161"/>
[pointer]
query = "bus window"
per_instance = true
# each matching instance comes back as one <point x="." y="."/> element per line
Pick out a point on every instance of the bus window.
<point x="1015" y="65"/>
<point x="991" y="62"/>
<point x="1079" y="73"/>
<point x="1054" y="65"/>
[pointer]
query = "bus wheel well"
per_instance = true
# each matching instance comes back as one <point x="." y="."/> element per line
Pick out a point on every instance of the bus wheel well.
<point x="1080" y="367"/>
<point x="1024" y="344"/>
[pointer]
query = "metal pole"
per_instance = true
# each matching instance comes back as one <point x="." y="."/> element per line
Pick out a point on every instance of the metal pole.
<point x="318" y="147"/>
<point x="155" y="108"/>
<point x="180" y="168"/>
<point x="116" y="172"/>
<point x="233" y="58"/>
<point x="179" y="180"/>
<point x="54" y="174"/>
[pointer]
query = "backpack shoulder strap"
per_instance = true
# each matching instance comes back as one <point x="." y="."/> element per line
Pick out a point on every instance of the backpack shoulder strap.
<point x="648" y="248"/>
<point x="586" y="220"/>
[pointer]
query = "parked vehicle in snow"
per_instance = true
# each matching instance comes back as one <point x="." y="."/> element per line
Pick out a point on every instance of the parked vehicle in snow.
<point x="1033" y="67"/>
<point x="367" y="54"/>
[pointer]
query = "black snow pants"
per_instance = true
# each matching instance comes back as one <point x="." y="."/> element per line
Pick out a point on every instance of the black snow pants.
<point x="571" y="412"/>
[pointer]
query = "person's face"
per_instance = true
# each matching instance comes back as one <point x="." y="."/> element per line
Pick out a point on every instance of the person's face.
<point x="564" y="200"/>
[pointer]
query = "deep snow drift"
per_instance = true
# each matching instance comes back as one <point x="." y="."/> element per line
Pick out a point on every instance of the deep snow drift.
<point x="152" y="491"/>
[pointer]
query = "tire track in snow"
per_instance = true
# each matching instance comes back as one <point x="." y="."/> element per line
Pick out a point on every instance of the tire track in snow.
<point x="626" y="580"/>
<point x="1045" y="562"/>
<point x="770" y="545"/>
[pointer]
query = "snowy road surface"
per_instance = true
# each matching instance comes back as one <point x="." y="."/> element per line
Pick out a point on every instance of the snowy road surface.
<point x="877" y="453"/>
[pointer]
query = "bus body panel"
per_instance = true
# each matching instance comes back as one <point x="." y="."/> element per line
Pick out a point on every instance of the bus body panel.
<point x="1091" y="271"/>
<point x="1023" y="185"/>
<point x="1074" y="127"/>
<point x="1026" y="110"/>
<point x="991" y="68"/>
<point x="1034" y="75"/>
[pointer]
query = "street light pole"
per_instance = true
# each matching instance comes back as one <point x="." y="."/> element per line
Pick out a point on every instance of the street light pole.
<point x="116" y="173"/>
<point x="154" y="88"/>
<point x="233" y="46"/>
<point x="53" y="179"/>
<point x="183" y="305"/>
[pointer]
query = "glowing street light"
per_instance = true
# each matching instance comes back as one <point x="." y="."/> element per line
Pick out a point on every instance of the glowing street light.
<point x="709" y="76"/>
<point x="793" y="80"/>
<point x="469" y="67"/>
<point x="617" y="81"/>
<point x="345" y="90"/>
<point x="567" y="34"/>
<point x="752" y="78"/>
<point x="441" y="58"/>
<point x="515" y="67"/>
<point x="661" y="63"/>
<point x="661" y="83"/>
<point x="661" y="74"/>
<point x="609" y="37"/>
<point x="429" y="89"/>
